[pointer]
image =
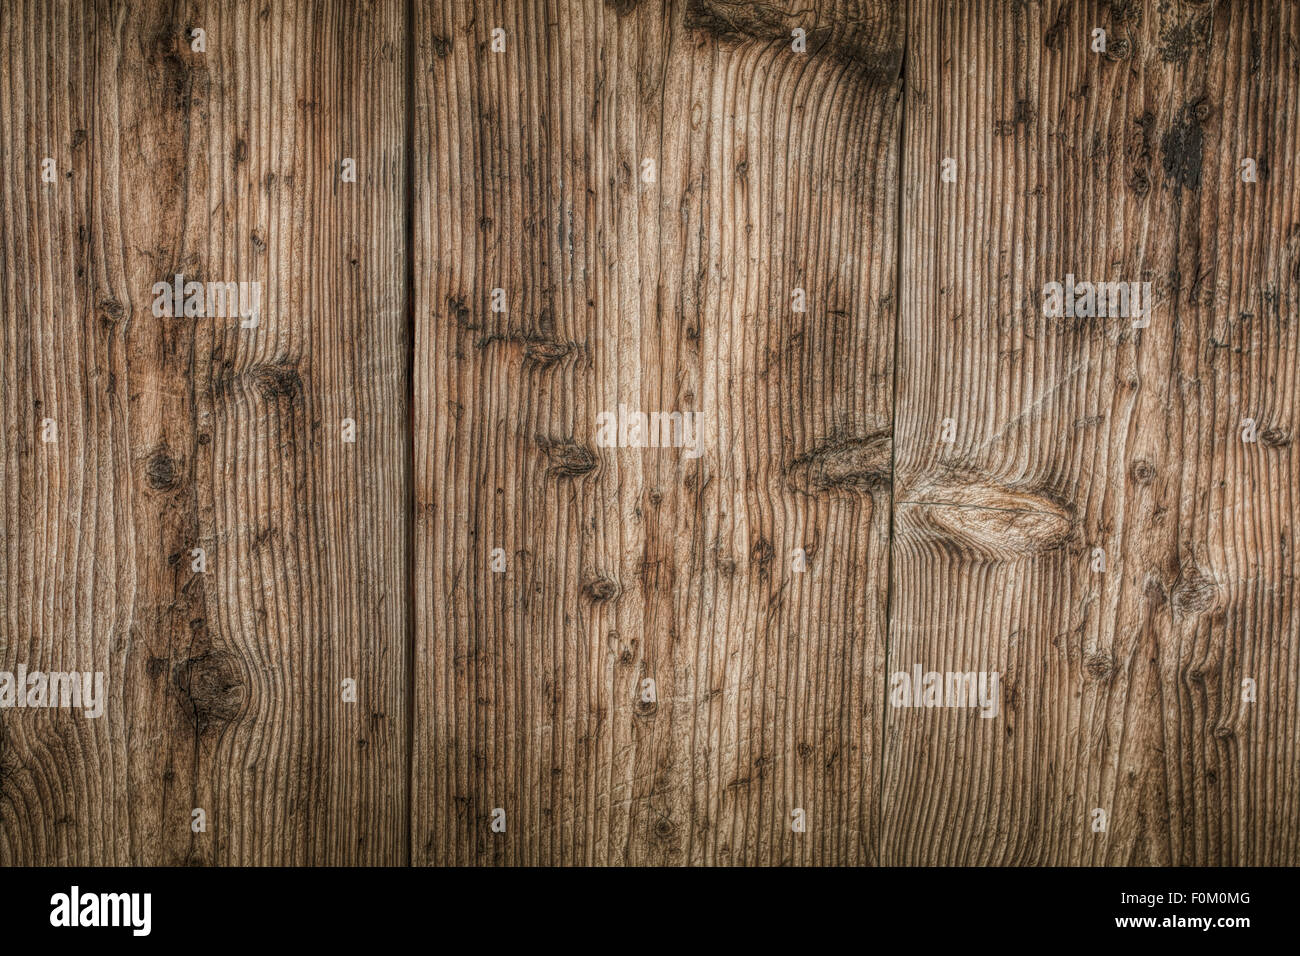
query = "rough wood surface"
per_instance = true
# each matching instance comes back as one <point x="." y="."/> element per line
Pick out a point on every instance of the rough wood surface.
<point x="1122" y="689"/>
<point x="176" y="433"/>
<point x="500" y="584"/>
<point x="773" y="170"/>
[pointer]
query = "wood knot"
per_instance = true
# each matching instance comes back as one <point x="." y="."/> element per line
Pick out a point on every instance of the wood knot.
<point x="1142" y="472"/>
<point x="601" y="589"/>
<point x="460" y="312"/>
<point x="277" y="381"/>
<point x="1275" y="437"/>
<point x="1194" y="591"/>
<point x="987" y="520"/>
<point x="110" y="313"/>
<point x="853" y="465"/>
<point x="568" y="459"/>
<point x="212" y="688"/>
<point x="868" y="36"/>
<point x="546" y="353"/>
<point x="162" y="472"/>
<point x="1100" y="666"/>
<point x="1118" y="48"/>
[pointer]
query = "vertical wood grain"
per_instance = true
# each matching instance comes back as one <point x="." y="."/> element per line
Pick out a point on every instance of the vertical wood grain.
<point x="774" y="170"/>
<point x="1122" y="690"/>
<point x="174" y="433"/>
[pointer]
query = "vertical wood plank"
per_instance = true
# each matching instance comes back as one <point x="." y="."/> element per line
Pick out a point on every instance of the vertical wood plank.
<point x="774" y="170"/>
<point x="1122" y="689"/>
<point x="56" y="591"/>
<point x="224" y="687"/>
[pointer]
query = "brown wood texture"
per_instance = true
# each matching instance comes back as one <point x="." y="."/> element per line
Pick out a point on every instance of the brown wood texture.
<point x="773" y="171"/>
<point x="882" y="396"/>
<point x="1122" y="689"/>
<point x="176" y="433"/>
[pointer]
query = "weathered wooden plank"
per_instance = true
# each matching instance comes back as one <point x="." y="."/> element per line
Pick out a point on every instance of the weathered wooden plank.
<point x="1122" y="689"/>
<point x="223" y="687"/>
<point x="772" y="170"/>
<point x="668" y="288"/>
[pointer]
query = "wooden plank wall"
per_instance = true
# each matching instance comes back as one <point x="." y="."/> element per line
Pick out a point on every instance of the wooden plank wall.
<point x="639" y="655"/>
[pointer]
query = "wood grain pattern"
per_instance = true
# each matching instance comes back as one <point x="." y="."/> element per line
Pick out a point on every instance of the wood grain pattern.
<point x="651" y="192"/>
<point x="773" y="171"/>
<point x="175" y="433"/>
<point x="1123" y="689"/>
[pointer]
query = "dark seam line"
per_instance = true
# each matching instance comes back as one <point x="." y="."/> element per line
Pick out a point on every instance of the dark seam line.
<point x="893" y="448"/>
<point x="409" y="490"/>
